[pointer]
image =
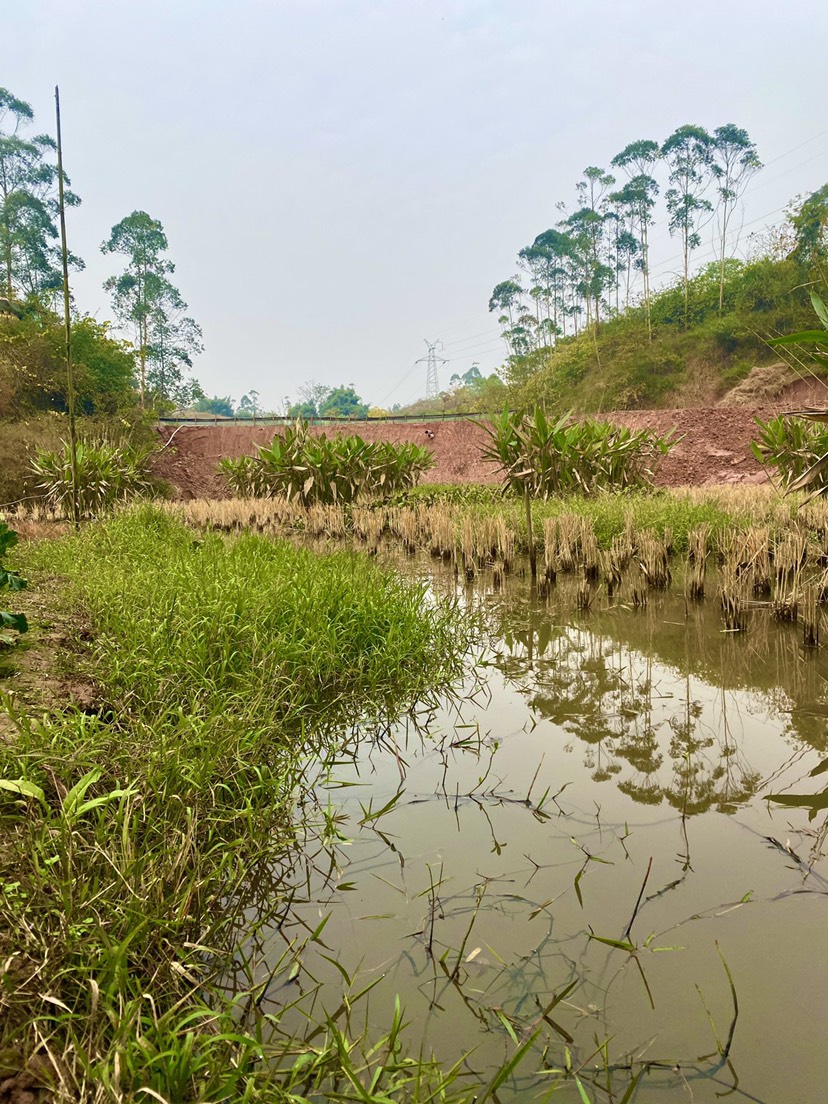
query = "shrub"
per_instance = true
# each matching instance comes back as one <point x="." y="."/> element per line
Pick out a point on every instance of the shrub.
<point x="793" y="447"/>
<point x="108" y="473"/>
<point x="9" y="580"/>
<point x="318" y="469"/>
<point x="565" y="456"/>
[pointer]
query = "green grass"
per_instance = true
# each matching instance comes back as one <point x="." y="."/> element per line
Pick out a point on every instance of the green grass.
<point x="659" y="510"/>
<point x="142" y="846"/>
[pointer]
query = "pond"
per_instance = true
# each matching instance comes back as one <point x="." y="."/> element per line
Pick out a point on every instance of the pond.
<point x="577" y="851"/>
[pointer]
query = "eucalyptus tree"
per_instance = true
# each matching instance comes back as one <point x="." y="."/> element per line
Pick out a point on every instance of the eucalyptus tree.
<point x="507" y="299"/>
<point x="689" y="154"/>
<point x="638" y="197"/>
<point x="147" y="302"/>
<point x="588" y="224"/>
<point x="174" y="338"/>
<point x="29" y="240"/>
<point x="546" y="260"/>
<point x="735" y="161"/>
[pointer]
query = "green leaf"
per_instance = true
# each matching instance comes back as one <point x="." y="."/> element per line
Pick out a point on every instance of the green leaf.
<point x="820" y="308"/>
<point x="582" y="1091"/>
<point x="620" y="944"/>
<point x="23" y="788"/>
<point x="15" y="621"/>
<point x="804" y="337"/>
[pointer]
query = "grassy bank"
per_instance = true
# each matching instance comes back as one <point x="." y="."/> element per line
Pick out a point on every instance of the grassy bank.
<point x="142" y="843"/>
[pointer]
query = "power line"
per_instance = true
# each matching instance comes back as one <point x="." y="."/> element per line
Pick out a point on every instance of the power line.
<point x="471" y="337"/>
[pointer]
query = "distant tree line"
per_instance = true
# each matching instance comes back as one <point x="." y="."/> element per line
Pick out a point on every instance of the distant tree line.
<point x="595" y="262"/>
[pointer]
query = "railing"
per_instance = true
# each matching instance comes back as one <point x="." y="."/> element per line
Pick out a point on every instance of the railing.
<point x="219" y="420"/>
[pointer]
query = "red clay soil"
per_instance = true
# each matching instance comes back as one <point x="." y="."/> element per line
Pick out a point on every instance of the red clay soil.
<point x="715" y="448"/>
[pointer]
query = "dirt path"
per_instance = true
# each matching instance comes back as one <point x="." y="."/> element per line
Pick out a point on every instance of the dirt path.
<point x="715" y="448"/>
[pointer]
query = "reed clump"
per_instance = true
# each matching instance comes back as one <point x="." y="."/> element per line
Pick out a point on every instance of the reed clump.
<point x="654" y="560"/>
<point x="789" y="558"/>
<point x="810" y="616"/>
<point x="735" y="588"/>
<point x="697" y="561"/>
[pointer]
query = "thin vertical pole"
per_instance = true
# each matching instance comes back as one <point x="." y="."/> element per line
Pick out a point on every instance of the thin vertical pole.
<point x="70" y="372"/>
<point x="530" y="530"/>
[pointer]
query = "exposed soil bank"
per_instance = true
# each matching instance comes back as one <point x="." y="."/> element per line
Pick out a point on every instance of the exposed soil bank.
<point x="715" y="448"/>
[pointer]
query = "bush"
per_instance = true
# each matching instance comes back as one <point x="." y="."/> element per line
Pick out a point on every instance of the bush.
<point x="792" y="446"/>
<point x="10" y="580"/>
<point x="108" y="473"/>
<point x="562" y="457"/>
<point x="318" y="469"/>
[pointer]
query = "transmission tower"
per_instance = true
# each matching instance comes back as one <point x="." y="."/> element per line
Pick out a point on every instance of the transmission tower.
<point x="431" y="360"/>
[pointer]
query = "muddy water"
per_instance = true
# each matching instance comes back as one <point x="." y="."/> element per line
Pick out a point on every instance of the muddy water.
<point x="604" y="776"/>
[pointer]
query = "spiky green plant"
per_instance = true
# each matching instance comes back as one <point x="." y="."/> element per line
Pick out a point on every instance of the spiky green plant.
<point x="803" y="446"/>
<point x="315" y="469"/>
<point x="108" y="473"/>
<point x="567" y="456"/>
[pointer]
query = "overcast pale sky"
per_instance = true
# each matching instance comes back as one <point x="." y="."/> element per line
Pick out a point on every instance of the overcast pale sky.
<point x="340" y="179"/>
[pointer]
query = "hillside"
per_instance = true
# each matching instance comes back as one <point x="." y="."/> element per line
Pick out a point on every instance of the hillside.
<point x="696" y="344"/>
<point x="622" y="367"/>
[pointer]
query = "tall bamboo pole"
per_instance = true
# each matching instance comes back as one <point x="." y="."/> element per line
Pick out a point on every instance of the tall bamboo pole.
<point x="70" y="372"/>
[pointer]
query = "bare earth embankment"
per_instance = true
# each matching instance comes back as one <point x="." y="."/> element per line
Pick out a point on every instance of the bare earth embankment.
<point x="715" y="447"/>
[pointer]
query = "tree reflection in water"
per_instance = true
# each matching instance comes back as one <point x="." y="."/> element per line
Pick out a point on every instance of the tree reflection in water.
<point x="651" y="693"/>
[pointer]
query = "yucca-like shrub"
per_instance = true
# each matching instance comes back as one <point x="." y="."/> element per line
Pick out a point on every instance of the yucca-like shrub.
<point x="568" y="456"/>
<point x="797" y="449"/>
<point x="108" y="473"/>
<point x="314" y="468"/>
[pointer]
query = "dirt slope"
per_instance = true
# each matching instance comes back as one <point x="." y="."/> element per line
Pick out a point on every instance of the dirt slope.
<point x="715" y="448"/>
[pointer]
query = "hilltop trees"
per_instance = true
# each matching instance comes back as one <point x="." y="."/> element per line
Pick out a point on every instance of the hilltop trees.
<point x="595" y="261"/>
<point x="29" y="244"/>
<point x="734" y="163"/>
<point x="636" y="201"/>
<point x="145" y="301"/>
<point x="688" y="154"/>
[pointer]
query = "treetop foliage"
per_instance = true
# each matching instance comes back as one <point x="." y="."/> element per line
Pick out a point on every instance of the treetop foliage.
<point x="29" y="241"/>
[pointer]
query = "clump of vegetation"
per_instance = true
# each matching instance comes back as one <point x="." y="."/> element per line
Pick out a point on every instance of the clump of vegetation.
<point x="108" y="473"/>
<point x="792" y="446"/>
<point x="317" y="469"/>
<point x="565" y="456"/>
<point x="799" y="452"/>
<point x="221" y="667"/>
<point x="10" y="623"/>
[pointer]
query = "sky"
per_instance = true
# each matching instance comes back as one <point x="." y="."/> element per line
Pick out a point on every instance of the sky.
<point x="341" y="179"/>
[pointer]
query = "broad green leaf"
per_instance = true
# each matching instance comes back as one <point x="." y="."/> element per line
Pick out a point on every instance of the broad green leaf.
<point x="23" y="788"/>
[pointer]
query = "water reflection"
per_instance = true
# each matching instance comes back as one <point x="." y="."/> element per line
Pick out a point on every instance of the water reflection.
<point x="660" y="697"/>
<point x="556" y="857"/>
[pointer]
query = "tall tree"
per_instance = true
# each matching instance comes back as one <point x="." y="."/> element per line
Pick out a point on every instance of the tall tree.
<point x="689" y="155"/>
<point x="174" y="339"/>
<point x="29" y="245"/>
<point x="638" y="160"/>
<point x="735" y="161"/>
<point x="248" y="405"/>
<point x="592" y="191"/>
<point x="146" y="301"/>
<point x="507" y="298"/>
